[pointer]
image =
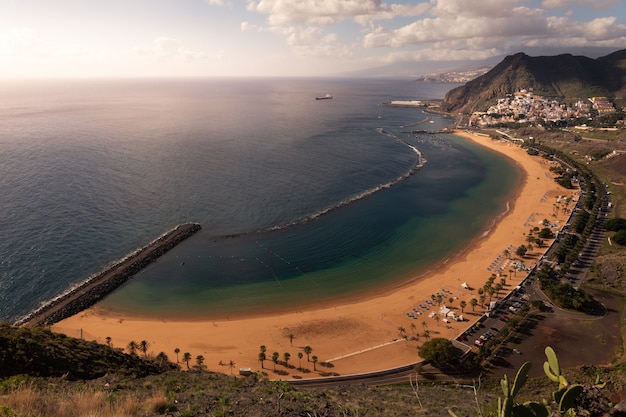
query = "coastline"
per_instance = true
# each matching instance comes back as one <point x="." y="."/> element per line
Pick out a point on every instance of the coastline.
<point x="357" y="334"/>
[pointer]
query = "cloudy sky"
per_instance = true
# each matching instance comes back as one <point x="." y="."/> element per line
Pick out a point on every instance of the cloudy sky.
<point x="155" y="38"/>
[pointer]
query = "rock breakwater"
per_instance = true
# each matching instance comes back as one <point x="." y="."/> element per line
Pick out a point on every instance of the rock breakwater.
<point x="98" y="286"/>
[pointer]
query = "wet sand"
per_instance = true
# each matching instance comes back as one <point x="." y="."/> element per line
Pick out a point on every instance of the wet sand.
<point x="355" y="336"/>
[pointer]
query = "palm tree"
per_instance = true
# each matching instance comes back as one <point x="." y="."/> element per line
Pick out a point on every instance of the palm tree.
<point x="291" y="337"/>
<point x="482" y="299"/>
<point x="162" y="358"/>
<point x="132" y="347"/>
<point x="473" y="303"/>
<point x="300" y="355"/>
<point x="498" y="288"/>
<point x="262" y="358"/>
<point x="231" y="366"/>
<point x="200" y="362"/>
<point x="462" y="304"/>
<point x="108" y="339"/>
<point x="426" y="334"/>
<point x="286" y="357"/>
<point x="143" y="347"/>
<point x="187" y="358"/>
<point x="307" y="350"/>
<point x="275" y="357"/>
<point x="176" y="351"/>
<point x="314" y="362"/>
<point x="413" y="327"/>
<point x="506" y="253"/>
<point x="401" y="330"/>
<point x="424" y="324"/>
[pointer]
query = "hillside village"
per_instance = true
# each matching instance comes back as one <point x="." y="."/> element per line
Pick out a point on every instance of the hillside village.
<point x="524" y="107"/>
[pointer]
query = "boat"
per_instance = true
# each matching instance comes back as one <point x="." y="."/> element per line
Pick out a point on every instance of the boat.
<point x="326" y="96"/>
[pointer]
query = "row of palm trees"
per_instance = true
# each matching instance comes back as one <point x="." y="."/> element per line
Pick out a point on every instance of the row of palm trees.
<point x="306" y="350"/>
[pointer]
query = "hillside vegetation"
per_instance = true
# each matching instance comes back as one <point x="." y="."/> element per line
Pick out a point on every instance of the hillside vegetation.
<point x="40" y="352"/>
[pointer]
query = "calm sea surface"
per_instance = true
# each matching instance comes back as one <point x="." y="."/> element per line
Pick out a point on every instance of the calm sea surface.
<point x="300" y="200"/>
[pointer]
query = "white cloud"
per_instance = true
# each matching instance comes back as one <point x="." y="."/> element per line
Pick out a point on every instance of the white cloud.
<point x="22" y="42"/>
<point x="596" y="4"/>
<point x="166" y="48"/>
<point x="328" y="12"/>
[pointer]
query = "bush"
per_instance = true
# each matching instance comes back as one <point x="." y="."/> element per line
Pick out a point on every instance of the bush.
<point x="439" y="351"/>
<point x="620" y="237"/>
<point x="615" y="224"/>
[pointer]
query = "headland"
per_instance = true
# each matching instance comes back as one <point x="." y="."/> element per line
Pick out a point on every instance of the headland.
<point x="98" y="286"/>
<point x="356" y="335"/>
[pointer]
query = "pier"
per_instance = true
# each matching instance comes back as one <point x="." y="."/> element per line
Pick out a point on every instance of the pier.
<point x="102" y="284"/>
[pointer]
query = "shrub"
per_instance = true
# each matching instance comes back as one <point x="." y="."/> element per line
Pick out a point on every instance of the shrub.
<point x="620" y="237"/>
<point x="616" y="224"/>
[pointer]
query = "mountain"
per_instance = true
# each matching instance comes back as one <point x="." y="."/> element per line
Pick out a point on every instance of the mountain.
<point x="561" y="76"/>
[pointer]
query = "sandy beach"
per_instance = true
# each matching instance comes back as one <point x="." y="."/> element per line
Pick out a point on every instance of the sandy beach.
<point x="354" y="336"/>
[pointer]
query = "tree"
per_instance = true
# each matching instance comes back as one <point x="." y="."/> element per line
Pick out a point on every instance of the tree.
<point x="402" y="331"/>
<point x="521" y="251"/>
<point x="162" y="358"/>
<point x="439" y="351"/>
<point x="462" y="304"/>
<point x="231" y="366"/>
<point x="300" y="355"/>
<point x="187" y="358"/>
<point x="262" y="359"/>
<point x="200" y="362"/>
<point x="426" y="334"/>
<point x="291" y="336"/>
<point x="132" y="347"/>
<point x="307" y="350"/>
<point x="143" y="347"/>
<point x="473" y="303"/>
<point x="498" y="288"/>
<point x="314" y="362"/>
<point x="275" y="357"/>
<point x="108" y="339"/>
<point x="176" y="351"/>
<point x="286" y="357"/>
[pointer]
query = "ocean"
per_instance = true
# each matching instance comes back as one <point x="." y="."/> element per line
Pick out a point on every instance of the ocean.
<point x="302" y="201"/>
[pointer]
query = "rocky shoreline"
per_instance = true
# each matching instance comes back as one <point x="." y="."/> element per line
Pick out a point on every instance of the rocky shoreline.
<point x="102" y="284"/>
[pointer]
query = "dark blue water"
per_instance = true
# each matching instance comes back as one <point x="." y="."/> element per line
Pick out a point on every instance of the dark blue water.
<point x="92" y="170"/>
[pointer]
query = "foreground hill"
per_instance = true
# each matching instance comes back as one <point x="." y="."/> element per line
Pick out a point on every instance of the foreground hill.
<point x="562" y="76"/>
<point x="40" y="352"/>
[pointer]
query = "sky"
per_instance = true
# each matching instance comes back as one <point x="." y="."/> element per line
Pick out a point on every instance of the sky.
<point x="309" y="38"/>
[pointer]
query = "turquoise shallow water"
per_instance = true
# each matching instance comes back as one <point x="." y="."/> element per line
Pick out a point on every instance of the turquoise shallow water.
<point x="92" y="170"/>
<point x="359" y="248"/>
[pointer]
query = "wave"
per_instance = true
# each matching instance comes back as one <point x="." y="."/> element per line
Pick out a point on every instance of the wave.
<point x="419" y="163"/>
<point x="497" y="219"/>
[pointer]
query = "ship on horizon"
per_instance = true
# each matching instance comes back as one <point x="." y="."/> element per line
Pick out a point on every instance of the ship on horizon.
<point x="326" y="96"/>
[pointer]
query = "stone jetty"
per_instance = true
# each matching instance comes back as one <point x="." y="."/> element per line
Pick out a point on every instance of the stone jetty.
<point x="102" y="284"/>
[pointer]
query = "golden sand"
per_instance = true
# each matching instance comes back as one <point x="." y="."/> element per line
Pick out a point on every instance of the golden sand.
<point x="355" y="336"/>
